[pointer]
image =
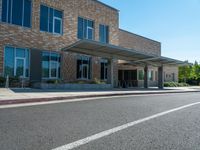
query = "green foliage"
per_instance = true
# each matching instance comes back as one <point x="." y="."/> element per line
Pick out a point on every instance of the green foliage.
<point x="175" y="84"/>
<point x="190" y="74"/>
<point x="2" y="81"/>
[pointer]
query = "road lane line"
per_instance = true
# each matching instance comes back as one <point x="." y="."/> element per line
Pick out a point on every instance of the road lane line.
<point x="119" y="128"/>
<point x="77" y="100"/>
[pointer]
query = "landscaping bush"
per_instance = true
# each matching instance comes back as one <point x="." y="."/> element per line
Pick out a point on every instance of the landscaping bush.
<point x="2" y="81"/>
<point x="53" y="81"/>
<point x="175" y="84"/>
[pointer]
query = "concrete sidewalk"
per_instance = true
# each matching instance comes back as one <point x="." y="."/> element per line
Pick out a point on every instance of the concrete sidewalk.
<point x="16" y="96"/>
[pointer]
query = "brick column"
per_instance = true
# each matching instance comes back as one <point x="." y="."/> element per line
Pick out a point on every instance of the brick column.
<point x="160" y="78"/>
<point x="146" y="82"/>
<point x="112" y="72"/>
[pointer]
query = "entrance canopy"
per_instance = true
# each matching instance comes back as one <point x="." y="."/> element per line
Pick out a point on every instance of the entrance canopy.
<point x="94" y="48"/>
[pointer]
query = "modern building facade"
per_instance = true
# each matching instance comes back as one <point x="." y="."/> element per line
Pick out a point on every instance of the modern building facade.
<point x="77" y="40"/>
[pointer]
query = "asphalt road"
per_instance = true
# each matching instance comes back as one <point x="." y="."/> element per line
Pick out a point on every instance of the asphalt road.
<point x="45" y="127"/>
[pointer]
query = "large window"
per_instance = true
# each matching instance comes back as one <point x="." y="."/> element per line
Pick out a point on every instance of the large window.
<point x="85" y="29"/>
<point x="16" y="62"/>
<point x="50" y="65"/>
<point x="51" y="20"/>
<point x="17" y="12"/>
<point x="83" y="67"/>
<point x="150" y="76"/>
<point x="141" y="75"/>
<point x="104" y="69"/>
<point x="104" y="33"/>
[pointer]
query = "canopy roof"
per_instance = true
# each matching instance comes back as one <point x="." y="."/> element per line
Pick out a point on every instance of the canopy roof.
<point x="94" y="48"/>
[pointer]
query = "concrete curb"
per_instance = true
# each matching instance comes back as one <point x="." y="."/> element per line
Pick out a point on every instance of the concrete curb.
<point x="35" y="100"/>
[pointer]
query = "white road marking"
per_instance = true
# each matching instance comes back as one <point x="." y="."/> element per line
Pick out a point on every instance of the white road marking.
<point x="76" y="100"/>
<point x="119" y="128"/>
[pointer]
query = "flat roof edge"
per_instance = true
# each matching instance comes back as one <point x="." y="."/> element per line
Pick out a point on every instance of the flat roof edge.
<point x="139" y="35"/>
<point x="106" y="5"/>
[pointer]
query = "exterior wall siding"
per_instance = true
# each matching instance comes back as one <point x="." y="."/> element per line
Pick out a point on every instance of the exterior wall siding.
<point x="33" y="38"/>
<point x="139" y="43"/>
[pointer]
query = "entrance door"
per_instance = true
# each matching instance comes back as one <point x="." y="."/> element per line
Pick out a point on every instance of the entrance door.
<point x="20" y="67"/>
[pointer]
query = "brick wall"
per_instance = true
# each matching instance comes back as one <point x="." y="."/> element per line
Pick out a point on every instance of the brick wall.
<point x="139" y="43"/>
<point x="33" y="38"/>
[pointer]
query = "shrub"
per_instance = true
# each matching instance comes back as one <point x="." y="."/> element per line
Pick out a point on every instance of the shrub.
<point x="2" y="81"/>
<point x="52" y="81"/>
<point x="175" y="84"/>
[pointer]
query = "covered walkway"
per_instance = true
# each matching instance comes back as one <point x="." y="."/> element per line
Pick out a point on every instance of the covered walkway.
<point x="131" y="56"/>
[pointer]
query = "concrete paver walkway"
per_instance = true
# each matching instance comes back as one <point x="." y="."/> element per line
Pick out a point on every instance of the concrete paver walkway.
<point x="17" y="95"/>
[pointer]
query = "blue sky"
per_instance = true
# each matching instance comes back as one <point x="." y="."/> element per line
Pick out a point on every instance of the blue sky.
<point x="175" y="23"/>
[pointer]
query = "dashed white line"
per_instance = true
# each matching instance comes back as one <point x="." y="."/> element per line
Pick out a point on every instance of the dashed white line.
<point x="119" y="128"/>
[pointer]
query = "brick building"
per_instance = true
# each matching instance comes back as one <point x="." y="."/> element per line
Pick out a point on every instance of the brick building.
<point x="77" y="40"/>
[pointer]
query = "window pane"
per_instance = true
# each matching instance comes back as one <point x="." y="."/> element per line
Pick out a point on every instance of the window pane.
<point x="107" y="34"/>
<point x="9" y="11"/>
<point x="84" y="28"/>
<point x="101" y="33"/>
<point x="51" y="20"/>
<point x="4" y="10"/>
<point x="80" y="28"/>
<point x="90" y="34"/>
<point x="20" y="52"/>
<point x="58" y="14"/>
<point x="20" y="67"/>
<point x="45" y="65"/>
<point x="43" y="18"/>
<point x="27" y="13"/>
<point x="9" y="61"/>
<point x="90" y="24"/>
<point x="57" y="26"/>
<point x="79" y="68"/>
<point x="102" y="71"/>
<point x="53" y="69"/>
<point x="17" y="9"/>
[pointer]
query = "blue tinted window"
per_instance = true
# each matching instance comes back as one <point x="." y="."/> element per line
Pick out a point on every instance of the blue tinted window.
<point x="50" y="65"/>
<point x="43" y="18"/>
<point x="80" y="28"/>
<point x="17" y="12"/>
<point x="9" y="61"/>
<point x="85" y="29"/>
<point x="50" y="20"/>
<point x="58" y="13"/>
<point x="103" y="33"/>
<point x="27" y="13"/>
<point x="4" y="10"/>
<point x="16" y="62"/>
<point x="57" y="27"/>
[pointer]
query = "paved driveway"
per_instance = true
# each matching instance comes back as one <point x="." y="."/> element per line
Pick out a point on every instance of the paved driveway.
<point x="45" y="127"/>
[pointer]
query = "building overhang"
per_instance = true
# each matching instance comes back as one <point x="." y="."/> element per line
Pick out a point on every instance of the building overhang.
<point x="131" y="56"/>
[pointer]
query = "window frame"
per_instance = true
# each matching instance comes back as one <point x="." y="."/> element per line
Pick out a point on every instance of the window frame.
<point x="9" y="20"/>
<point x="50" y="64"/>
<point x="105" y="34"/>
<point x="86" y="29"/>
<point x="15" y="57"/>
<point x="88" y="65"/>
<point x="54" y="17"/>
<point x="139" y="74"/>
<point x="105" y="69"/>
